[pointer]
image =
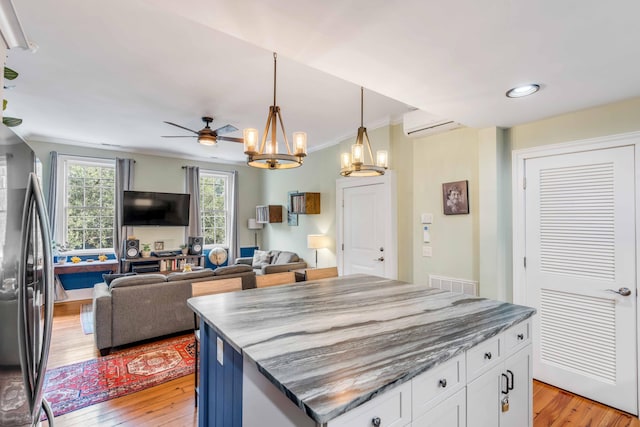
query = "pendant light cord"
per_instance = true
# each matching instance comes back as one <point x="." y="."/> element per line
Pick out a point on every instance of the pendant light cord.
<point x="275" y="60"/>
<point x="361" y="106"/>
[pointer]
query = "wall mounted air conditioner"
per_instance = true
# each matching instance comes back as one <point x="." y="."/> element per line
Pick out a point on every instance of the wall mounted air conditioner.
<point x="418" y="123"/>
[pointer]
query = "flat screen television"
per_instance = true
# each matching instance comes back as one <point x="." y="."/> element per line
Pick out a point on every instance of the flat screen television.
<point x="151" y="208"/>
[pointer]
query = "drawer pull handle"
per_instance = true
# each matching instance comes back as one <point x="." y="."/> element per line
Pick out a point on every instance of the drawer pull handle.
<point x="376" y="422"/>
<point x="487" y="355"/>
<point x="442" y="383"/>
<point x="520" y="337"/>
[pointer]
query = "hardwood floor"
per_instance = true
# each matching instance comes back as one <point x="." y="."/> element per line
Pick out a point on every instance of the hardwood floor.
<point x="171" y="404"/>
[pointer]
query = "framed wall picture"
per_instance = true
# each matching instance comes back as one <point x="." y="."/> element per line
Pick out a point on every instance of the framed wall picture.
<point x="455" y="197"/>
<point x="158" y="246"/>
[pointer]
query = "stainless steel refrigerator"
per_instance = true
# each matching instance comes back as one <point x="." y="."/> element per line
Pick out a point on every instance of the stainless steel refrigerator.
<point x="26" y="285"/>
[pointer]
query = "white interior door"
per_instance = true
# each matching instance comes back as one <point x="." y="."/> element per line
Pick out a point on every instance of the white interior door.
<point x="580" y="242"/>
<point x="363" y="234"/>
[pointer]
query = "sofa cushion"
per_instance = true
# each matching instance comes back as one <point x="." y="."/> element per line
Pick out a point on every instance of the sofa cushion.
<point x="261" y="258"/>
<point x="232" y="269"/>
<point x="138" y="279"/>
<point x="108" y="278"/>
<point x="285" y="257"/>
<point x="205" y="272"/>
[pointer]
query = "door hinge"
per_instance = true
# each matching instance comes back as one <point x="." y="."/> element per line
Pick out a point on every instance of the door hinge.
<point x="524" y="183"/>
<point x="525" y="262"/>
<point x="343" y="246"/>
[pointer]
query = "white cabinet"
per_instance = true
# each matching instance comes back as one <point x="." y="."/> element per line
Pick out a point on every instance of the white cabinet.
<point x="390" y="409"/>
<point x="437" y="384"/>
<point x="509" y="381"/>
<point x="450" y="413"/>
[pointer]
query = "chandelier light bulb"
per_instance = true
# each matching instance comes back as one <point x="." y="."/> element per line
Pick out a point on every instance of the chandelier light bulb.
<point x="345" y="160"/>
<point x="357" y="154"/>
<point x="382" y="159"/>
<point x="300" y="143"/>
<point x="250" y="140"/>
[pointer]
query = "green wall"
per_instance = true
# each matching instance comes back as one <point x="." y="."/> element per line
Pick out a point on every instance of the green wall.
<point x="475" y="246"/>
<point x="165" y="174"/>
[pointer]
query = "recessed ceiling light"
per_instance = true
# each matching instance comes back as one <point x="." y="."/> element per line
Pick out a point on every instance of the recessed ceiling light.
<point x="524" y="90"/>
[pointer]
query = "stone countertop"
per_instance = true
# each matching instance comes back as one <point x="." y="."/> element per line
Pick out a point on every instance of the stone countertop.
<point x="333" y="344"/>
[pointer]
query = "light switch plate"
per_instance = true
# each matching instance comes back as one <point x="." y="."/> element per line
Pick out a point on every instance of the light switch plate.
<point x="427" y="251"/>
<point x="426" y="218"/>
<point x="220" y="350"/>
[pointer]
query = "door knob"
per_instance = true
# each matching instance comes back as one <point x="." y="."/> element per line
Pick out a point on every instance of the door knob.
<point x="379" y="259"/>
<point x="625" y="292"/>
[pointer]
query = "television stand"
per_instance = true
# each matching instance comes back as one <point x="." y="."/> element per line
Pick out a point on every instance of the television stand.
<point x="165" y="264"/>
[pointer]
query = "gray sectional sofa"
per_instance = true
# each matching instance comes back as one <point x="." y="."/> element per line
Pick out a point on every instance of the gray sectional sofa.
<point x="139" y="307"/>
<point x="273" y="261"/>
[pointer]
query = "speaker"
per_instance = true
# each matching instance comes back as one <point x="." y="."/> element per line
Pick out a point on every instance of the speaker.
<point x="195" y="245"/>
<point x="132" y="248"/>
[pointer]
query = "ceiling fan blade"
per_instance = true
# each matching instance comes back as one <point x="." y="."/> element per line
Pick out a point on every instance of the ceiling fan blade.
<point x="181" y="127"/>
<point x="182" y="136"/>
<point x="229" y="138"/>
<point x="225" y="129"/>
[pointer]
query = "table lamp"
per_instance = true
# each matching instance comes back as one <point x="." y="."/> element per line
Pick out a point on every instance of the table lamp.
<point x="316" y="241"/>
<point x="253" y="225"/>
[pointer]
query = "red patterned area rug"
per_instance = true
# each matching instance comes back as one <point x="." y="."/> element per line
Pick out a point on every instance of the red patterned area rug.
<point x="82" y="384"/>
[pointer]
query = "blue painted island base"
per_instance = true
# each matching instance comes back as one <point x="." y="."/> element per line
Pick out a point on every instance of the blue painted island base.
<point x="234" y="394"/>
<point x="220" y="397"/>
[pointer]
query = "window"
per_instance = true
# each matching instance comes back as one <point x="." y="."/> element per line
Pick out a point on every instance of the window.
<point x="214" y="207"/>
<point x="86" y="206"/>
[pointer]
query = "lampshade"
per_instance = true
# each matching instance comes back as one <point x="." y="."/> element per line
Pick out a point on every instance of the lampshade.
<point x="253" y="225"/>
<point x="316" y="241"/>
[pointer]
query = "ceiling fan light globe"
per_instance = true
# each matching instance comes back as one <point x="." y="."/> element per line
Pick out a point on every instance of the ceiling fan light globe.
<point x="207" y="139"/>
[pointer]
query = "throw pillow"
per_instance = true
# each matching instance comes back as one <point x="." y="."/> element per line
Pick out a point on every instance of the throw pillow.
<point x="260" y="258"/>
<point x="107" y="277"/>
<point x="286" y="257"/>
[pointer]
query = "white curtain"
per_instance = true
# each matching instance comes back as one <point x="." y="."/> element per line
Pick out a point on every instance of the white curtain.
<point x="192" y="187"/>
<point x="124" y="181"/>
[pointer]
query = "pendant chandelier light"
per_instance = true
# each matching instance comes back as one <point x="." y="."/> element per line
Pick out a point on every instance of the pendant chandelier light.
<point x="353" y="164"/>
<point x="267" y="156"/>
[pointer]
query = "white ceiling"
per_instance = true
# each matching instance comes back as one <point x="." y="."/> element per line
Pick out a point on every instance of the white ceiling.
<point x="111" y="72"/>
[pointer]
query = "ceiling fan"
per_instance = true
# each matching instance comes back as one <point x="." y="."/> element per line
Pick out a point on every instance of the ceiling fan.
<point x="206" y="135"/>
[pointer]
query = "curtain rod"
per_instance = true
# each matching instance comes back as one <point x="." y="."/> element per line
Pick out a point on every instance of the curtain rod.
<point x="92" y="157"/>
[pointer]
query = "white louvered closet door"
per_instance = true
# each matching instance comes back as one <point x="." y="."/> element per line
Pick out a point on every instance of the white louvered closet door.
<point x="580" y="241"/>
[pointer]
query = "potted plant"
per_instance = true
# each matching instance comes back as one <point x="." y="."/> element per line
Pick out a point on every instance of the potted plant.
<point x="146" y="250"/>
<point x="184" y="249"/>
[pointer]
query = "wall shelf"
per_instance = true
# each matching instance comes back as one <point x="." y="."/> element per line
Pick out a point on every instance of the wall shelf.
<point x="268" y="214"/>
<point x="305" y="203"/>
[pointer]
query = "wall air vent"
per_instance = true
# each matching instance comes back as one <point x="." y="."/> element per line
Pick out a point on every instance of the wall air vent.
<point x="419" y="123"/>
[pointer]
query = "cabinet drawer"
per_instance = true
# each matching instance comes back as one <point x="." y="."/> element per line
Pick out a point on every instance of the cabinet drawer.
<point x="450" y="413"/>
<point x="483" y="356"/>
<point x="393" y="408"/>
<point x="435" y="385"/>
<point x="517" y="336"/>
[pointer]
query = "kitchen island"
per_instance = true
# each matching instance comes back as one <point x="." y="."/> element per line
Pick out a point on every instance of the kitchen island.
<point x="361" y="350"/>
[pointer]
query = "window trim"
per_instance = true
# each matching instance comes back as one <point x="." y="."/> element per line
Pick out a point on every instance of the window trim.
<point x="63" y="163"/>
<point x="227" y="202"/>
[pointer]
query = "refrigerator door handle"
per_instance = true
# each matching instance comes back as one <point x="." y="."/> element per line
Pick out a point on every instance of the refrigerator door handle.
<point x="34" y="354"/>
